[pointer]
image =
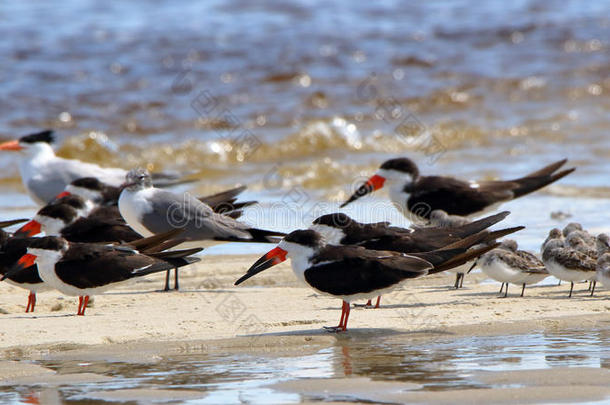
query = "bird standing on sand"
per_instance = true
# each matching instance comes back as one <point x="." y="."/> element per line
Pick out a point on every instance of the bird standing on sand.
<point x="87" y="269"/>
<point x="416" y="196"/>
<point x="603" y="270"/>
<point x="45" y="175"/>
<point x="507" y="265"/>
<point x="341" y="230"/>
<point x="566" y="263"/>
<point x="439" y="218"/>
<point x="353" y="272"/>
<point x="11" y="250"/>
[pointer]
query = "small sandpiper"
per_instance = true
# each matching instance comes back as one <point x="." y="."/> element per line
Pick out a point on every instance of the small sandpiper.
<point x="567" y="263"/>
<point x="507" y="264"/>
<point x="603" y="270"/>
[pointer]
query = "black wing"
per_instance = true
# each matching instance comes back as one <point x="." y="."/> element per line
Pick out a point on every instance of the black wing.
<point x="347" y="270"/>
<point x="98" y="229"/>
<point x="453" y="196"/>
<point x="90" y="266"/>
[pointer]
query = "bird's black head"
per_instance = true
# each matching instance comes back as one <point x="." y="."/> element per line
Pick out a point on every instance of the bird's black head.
<point x="64" y="212"/>
<point x="402" y="165"/>
<point x="46" y="136"/>
<point x="71" y="200"/>
<point x="90" y="183"/>
<point x="305" y="237"/>
<point x="54" y="243"/>
<point x="335" y="220"/>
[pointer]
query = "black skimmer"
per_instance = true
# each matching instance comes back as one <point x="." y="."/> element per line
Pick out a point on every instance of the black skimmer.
<point x="86" y="269"/>
<point x="11" y="250"/>
<point x="509" y="265"/>
<point x="566" y="263"/>
<point x="70" y="218"/>
<point x="149" y="210"/>
<point x="417" y="196"/>
<point x="83" y="213"/>
<point x="353" y="272"/>
<point x="76" y="220"/>
<point x="45" y="175"/>
<point x="340" y="229"/>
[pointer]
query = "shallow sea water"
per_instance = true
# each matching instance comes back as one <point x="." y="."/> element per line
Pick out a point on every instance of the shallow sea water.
<point x="442" y="363"/>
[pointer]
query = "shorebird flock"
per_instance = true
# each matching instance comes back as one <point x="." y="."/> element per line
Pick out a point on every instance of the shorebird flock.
<point x="104" y="226"/>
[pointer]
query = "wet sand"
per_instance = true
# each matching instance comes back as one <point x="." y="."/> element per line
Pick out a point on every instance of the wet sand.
<point x="209" y="307"/>
<point x="274" y="316"/>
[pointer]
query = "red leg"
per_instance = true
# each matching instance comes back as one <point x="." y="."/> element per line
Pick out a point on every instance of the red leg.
<point x="342" y="314"/>
<point x="27" y="308"/>
<point x="378" y="301"/>
<point x="347" y="309"/>
<point x="369" y="303"/>
<point x="80" y="304"/>
<point x="343" y="321"/>
<point x="33" y="297"/>
<point x="85" y="302"/>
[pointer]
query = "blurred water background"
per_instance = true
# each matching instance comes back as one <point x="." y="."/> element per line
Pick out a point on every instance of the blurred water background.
<point x="302" y="100"/>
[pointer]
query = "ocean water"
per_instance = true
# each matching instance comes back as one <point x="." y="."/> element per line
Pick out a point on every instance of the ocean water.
<point x="302" y="101"/>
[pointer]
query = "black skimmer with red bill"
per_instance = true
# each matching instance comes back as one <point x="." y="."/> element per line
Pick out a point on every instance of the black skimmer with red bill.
<point x="149" y="210"/>
<point x="78" y="219"/>
<point x="340" y="229"/>
<point x="567" y="263"/>
<point x="11" y="250"/>
<point x="45" y="175"/>
<point x="417" y="196"/>
<point x="353" y="272"/>
<point x="70" y="218"/>
<point x="509" y="265"/>
<point x="87" y="269"/>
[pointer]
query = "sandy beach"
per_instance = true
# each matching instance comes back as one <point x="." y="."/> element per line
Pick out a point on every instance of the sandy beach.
<point x="209" y="307"/>
<point x="274" y="317"/>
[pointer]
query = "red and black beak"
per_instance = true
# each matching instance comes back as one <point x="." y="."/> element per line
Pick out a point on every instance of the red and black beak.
<point x="11" y="145"/>
<point x="26" y="261"/>
<point x="270" y="259"/>
<point x="62" y="194"/>
<point x="30" y="229"/>
<point x="372" y="184"/>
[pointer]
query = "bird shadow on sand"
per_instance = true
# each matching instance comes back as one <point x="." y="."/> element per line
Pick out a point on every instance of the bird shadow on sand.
<point x="399" y="306"/>
<point x="351" y="333"/>
<point x="555" y="294"/>
<point x="169" y="292"/>
<point x="47" y="316"/>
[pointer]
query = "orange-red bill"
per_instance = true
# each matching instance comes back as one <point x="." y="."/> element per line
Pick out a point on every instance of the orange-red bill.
<point x="62" y="194"/>
<point x="10" y="145"/>
<point x="30" y="229"/>
<point x="372" y="184"/>
<point x="26" y="261"/>
<point x="270" y="259"/>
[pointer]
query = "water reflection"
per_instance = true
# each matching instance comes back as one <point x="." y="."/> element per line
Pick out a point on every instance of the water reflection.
<point x="439" y="364"/>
